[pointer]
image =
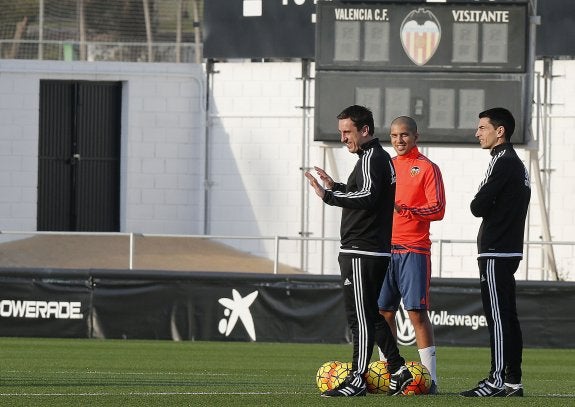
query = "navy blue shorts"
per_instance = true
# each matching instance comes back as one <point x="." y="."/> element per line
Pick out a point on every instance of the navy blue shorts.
<point x="407" y="278"/>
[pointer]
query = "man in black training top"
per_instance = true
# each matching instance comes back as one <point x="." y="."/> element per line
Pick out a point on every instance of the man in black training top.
<point x="502" y="202"/>
<point x="368" y="201"/>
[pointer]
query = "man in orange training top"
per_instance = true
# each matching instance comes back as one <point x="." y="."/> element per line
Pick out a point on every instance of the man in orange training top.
<point x="419" y="200"/>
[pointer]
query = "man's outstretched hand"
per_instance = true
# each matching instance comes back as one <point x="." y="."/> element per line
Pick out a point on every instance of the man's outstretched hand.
<point x="319" y="190"/>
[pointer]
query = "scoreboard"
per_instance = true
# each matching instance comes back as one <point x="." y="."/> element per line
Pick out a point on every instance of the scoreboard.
<point x="445" y="107"/>
<point x="425" y="36"/>
<point x="440" y="63"/>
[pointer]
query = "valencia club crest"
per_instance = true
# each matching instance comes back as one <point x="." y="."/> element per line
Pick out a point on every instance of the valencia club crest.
<point x="420" y="35"/>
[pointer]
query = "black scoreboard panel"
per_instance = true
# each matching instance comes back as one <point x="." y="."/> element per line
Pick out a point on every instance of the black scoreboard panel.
<point x="258" y="29"/>
<point x="440" y="63"/>
<point x="473" y="37"/>
<point x="557" y="29"/>
<point x="444" y="105"/>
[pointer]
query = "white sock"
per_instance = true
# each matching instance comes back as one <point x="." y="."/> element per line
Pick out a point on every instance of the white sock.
<point x="427" y="357"/>
<point x="381" y="355"/>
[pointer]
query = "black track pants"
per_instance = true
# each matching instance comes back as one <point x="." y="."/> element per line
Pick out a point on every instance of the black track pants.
<point x="362" y="278"/>
<point x="499" y="304"/>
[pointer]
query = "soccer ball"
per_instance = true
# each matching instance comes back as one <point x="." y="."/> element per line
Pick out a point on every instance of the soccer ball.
<point x="331" y="374"/>
<point x="340" y="373"/>
<point x="377" y="377"/>
<point x="421" y="379"/>
<point x="323" y="375"/>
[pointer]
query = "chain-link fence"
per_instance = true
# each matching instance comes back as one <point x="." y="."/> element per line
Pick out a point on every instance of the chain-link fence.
<point x="101" y="30"/>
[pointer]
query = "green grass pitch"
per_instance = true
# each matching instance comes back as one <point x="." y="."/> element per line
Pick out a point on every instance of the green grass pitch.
<point x="85" y="372"/>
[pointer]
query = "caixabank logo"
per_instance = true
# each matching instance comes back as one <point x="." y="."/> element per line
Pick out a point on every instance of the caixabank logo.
<point x="442" y="318"/>
<point x="237" y="309"/>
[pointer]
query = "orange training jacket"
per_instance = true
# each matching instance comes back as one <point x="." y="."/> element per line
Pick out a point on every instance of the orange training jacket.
<point x="420" y="195"/>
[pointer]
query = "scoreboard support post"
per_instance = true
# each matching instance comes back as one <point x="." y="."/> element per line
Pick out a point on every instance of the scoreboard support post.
<point x="543" y="213"/>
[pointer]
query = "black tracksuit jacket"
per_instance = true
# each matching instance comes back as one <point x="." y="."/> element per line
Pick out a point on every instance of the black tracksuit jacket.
<point x="502" y="202"/>
<point x="367" y="201"/>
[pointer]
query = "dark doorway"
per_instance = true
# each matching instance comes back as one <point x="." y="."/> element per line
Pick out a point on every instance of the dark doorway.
<point x="79" y="156"/>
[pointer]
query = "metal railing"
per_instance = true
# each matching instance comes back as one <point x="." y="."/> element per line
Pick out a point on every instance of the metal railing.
<point x="439" y="244"/>
<point x="69" y="50"/>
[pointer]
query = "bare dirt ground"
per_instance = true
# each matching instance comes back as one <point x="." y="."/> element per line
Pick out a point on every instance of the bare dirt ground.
<point x="150" y="253"/>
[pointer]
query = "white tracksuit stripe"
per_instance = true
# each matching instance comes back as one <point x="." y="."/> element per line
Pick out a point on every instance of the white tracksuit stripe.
<point x="497" y="326"/>
<point x="490" y="168"/>
<point x="366" y="187"/>
<point x="361" y="319"/>
<point x="365" y="165"/>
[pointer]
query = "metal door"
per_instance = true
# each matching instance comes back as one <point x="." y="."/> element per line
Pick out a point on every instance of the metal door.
<point x="79" y="156"/>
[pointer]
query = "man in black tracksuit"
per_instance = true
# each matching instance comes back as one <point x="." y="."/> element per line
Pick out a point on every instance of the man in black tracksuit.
<point x="502" y="202"/>
<point x="368" y="202"/>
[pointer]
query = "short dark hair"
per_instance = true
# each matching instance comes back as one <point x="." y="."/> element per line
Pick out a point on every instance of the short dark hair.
<point x="499" y="116"/>
<point x="360" y="116"/>
<point x="408" y="121"/>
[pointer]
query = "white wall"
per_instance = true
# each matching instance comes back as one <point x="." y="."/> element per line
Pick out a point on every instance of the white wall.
<point x="19" y="100"/>
<point x="255" y="181"/>
<point x="256" y="138"/>
<point x="162" y="141"/>
<point x="246" y="93"/>
<point x="561" y="168"/>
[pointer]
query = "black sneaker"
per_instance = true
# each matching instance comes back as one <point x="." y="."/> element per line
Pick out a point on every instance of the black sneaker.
<point x="484" y="389"/>
<point x="352" y="386"/>
<point x="399" y="381"/>
<point x="513" y="390"/>
<point x="433" y="390"/>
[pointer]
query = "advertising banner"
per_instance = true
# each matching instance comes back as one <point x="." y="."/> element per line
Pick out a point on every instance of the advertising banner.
<point x="47" y="303"/>
<point x="216" y="306"/>
<point x="251" y="307"/>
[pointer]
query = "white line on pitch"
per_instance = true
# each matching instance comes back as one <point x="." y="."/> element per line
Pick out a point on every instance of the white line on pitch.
<point x="163" y="393"/>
